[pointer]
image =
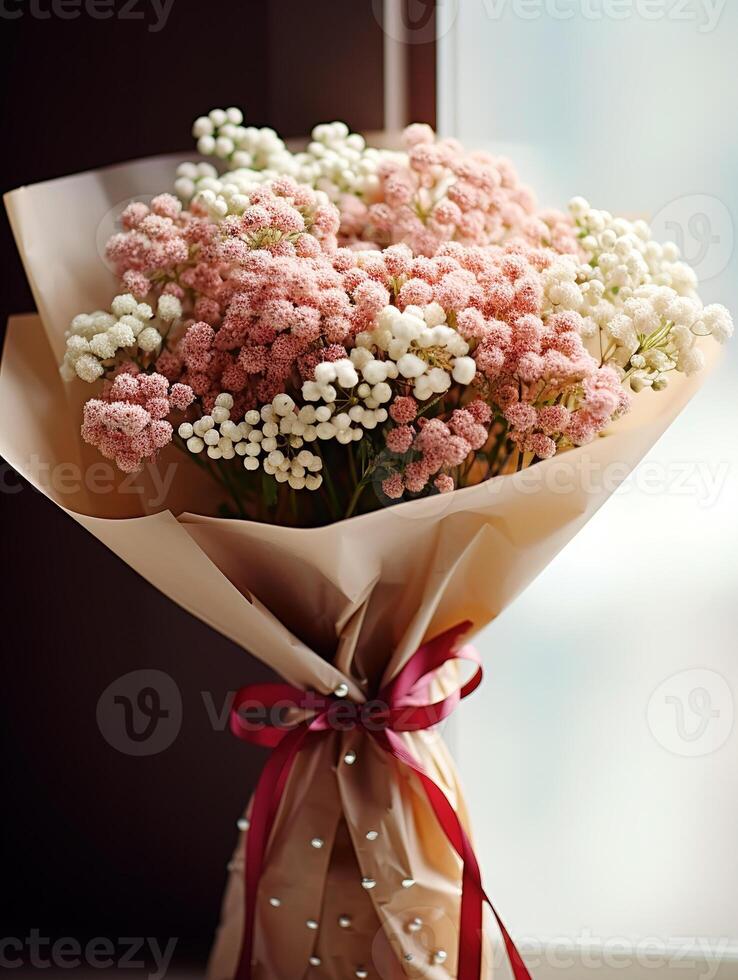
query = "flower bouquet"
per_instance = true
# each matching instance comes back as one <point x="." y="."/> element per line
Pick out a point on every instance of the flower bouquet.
<point x="388" y="388"/>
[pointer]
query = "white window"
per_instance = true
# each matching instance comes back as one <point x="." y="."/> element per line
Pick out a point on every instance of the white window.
<point x="600" y="757"/>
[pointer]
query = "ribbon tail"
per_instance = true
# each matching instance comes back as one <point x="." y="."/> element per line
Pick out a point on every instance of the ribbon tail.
<point x="267" y="796"/>
<point x="473" y="895"/>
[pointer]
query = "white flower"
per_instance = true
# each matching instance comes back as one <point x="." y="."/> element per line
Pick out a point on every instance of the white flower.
<point x="102" y="345"/>
<point x="561" y="288"/>
<point x="423" y="347"/>
<point x="97" y="337"/>
<point x="125" y="303"/>
<point x="192" y="177"/>
<point x="691" y="361"/>
<point x="122" y="334"/>
<point x="149" y="339"/>
<point x="642" y="297"/>
<point x="622" y="330"/>
<point x="335" y="162"/>
<point x="623" y="255"/>
<point x="168" y="308"/>
<point x="464" y="370"/>
<point x="202" y="127"/>
<point x="718" y="322"/>
<point x="88" y="368"/>
<point x="352" y="391"/>
<point x="411" y="366"/>
<point x="273" y="438"/>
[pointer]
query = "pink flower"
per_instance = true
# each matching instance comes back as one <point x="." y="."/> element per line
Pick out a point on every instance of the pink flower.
<point x="136" y="283"/>
<point x="415" y="292"/>
<point x="463" y="423"/>
<point x="393" y="487"/>
<point x="471" y="323"/>
<point x="128" y="424"/>
<point x="400" y="438"/>
<point x="581" y="429"/>
<point x="521" y="416"/>
<point x="553" y="419"/>
<point x="444" y="483"/>
<point x="480" y="412"/>
<point x="416" y="477"/>
<point x="403" y="409"/>
<point x="541" y="445"/>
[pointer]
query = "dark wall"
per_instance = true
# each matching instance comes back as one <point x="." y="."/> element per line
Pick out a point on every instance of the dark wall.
<point x="98" y="842"/>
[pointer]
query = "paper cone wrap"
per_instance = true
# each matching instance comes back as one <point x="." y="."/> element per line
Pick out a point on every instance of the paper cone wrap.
<point x="349" y="602"/>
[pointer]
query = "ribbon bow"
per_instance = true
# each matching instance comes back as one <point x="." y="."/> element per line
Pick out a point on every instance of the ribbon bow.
<point x="400" y="706"/>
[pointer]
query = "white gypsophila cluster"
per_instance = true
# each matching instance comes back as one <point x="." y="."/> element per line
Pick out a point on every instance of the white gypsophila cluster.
<point x="336" y="161"/>
<point x="638" y="298"/>
<point x="656" y="331"/>
<point x="222" y="134"/>
<point x="621" y="255"/>
<point x="562" y="290"/>
<point x="352" y="391"/>
<point x="168" y="308"/>
<point x="428" y="352"/>
<point x="253" y="155"/>
<point x="231" y="194"/>
<point x="94" y="339"/>
<point x="193" y="178"/>
<point x="221" y="196"/>
<point x="273" y="438"/>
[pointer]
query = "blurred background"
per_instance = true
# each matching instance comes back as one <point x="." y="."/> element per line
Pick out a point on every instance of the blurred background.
<point x="600" y="758"/>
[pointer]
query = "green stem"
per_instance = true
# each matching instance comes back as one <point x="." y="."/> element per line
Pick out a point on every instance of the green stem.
<point x="224" y="476"/>
<point x="352" y="467"/>
<point x="206" y="464"/>
<point x="330" y="487"/>
<point x="360" y="487"/>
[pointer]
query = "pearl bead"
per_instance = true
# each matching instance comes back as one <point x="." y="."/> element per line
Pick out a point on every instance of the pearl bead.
<point x="368" y="883"/>
<point x="415" y="925"/>
<point x="311" y="924"/>
<point x="317" y="843"/>
<point x="372" y="834"/>
<point x="344" y="921"/>
<point x="350" y="758"/>
<point x="314" y="961"/>
<point x="341" y="691"/>
<point x="275" y="902"/>
<point x="408" y="882"/>
<point x="439" y="956"/>
<point x="242" y="824"/>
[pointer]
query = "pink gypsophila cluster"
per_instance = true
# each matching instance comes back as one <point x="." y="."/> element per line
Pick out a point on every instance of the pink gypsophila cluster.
<point x="281" y="314"/>
<point x="445" y="193"/>
<point x="156" y="240"/>
<point x="285" y="217"/>
<point x="129" y="422"/>
<point x="438" y="446"/>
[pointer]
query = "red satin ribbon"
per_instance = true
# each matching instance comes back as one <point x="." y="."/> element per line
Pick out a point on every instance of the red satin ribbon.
<point x="401" y="706"/>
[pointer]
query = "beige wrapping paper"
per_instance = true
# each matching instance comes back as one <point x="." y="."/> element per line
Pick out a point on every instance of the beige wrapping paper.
<point x="347" y="602"/>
